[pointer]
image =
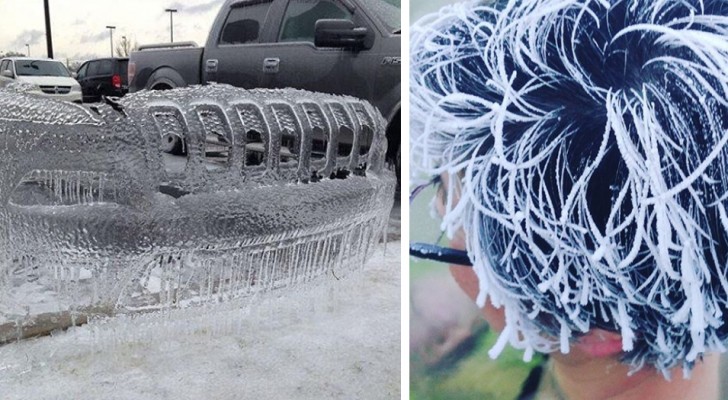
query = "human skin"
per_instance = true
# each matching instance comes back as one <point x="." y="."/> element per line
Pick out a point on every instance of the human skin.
<point x="591" y="370"/>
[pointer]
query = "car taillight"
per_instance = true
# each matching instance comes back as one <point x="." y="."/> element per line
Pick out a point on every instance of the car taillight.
<point x="130" y="72"/>
<point x="116" y="81"/>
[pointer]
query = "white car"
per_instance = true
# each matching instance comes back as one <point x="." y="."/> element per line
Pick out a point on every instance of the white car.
<point x="50" y="78"/>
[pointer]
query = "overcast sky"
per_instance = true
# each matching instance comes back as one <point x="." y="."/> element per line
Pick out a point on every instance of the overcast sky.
<point x="78" y="26"/>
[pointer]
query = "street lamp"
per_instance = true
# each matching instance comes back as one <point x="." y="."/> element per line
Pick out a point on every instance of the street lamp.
<point x="171" y="12"/>
<point x="28" y="46"/>
<point x="111" y="37"/>
<point x="49" y="35"/>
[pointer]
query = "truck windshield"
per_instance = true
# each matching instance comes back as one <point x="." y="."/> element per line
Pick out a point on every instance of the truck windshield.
<point x="388" y="11"/>
<point x="40" y="68"/>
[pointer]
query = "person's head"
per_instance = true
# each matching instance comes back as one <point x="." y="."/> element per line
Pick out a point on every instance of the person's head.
<point x="588" y="140"/>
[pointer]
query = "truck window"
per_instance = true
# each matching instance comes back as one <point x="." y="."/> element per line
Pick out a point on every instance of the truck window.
<point x="5" y="66"/>
<point x="244" y="23"/>
<point x="299" y="23"/>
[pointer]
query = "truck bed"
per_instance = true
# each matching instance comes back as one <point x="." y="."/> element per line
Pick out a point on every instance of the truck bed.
<point x="175" y="60"/>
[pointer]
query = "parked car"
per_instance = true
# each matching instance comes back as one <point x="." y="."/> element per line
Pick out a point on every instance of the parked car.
<point x="349" y="47"/>
<point x="49" y="77"/>
<point x="79" y="192"/>
<point x="103" y="77"/>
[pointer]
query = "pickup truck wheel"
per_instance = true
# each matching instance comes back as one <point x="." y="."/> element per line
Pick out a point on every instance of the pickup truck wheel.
<point x="173" y="144"/>
<point x="162" y="86"/>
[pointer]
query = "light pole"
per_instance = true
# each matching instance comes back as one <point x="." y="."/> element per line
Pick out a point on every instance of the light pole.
<point x="111" y="37"/>
<point x="171" y="12"/>
<point x="28" y="46"/>
<point x="49" y="35"/>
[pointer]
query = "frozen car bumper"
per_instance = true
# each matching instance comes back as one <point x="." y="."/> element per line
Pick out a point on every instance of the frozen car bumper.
<point x="93" y="209"/>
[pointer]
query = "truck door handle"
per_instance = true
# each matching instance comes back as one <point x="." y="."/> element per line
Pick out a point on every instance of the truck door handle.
<point x="271" y="65"/>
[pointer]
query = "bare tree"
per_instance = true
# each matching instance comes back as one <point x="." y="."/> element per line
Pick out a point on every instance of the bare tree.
<point x="125" y="46"/>
<point x="12" y="54"/>
<point x="74" y="65"/>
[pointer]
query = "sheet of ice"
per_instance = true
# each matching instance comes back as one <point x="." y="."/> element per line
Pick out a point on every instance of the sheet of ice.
<point x="95" y="217"/>
<point x="329" y="339"/>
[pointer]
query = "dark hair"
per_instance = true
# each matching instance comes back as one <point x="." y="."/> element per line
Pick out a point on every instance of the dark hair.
<point x="593" y="139"/>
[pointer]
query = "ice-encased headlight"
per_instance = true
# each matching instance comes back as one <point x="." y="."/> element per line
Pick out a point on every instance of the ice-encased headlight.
<point x="63" y="188"/>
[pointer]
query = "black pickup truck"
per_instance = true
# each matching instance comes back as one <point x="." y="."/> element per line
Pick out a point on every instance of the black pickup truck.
<point x="349" y="47"/>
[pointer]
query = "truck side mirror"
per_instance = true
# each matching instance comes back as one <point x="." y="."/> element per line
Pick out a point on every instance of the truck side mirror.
<point x="8" y="74"/>
<point x="339" y="33"/>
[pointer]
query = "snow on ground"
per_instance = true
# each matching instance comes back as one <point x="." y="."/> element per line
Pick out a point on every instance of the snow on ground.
<point x="329" y="339"/>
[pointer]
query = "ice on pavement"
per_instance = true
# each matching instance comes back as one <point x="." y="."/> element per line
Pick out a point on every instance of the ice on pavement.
<point x="329" y="339"/>
<point x="275" y="189"/>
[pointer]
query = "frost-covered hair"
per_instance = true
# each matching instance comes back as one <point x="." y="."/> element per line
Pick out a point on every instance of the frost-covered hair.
<point x="588" y="138"/>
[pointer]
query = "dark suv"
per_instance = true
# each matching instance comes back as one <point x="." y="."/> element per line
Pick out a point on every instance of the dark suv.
<point x="103" y="77"/>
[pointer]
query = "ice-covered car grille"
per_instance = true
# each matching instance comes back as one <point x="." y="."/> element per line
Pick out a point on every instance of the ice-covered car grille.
<point x="272" y="188"/>
<point x="292" y="138"/>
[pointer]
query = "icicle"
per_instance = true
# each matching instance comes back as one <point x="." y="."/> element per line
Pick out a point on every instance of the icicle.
<point x="528" y="354"/>
<point x="500" y="344"/>
<point x="564" y="337"/>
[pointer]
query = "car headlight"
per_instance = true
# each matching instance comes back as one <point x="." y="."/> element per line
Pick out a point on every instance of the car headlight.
<point x="76" y="88"/>
<point x="56" y="188"/>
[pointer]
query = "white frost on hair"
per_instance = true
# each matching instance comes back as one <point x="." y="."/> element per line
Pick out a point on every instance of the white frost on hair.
<point x="651" y="266"/>
<point x="625" y="322"/>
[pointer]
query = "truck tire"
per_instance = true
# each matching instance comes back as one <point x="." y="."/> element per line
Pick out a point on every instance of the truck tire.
<point x="173" y="144"/>
<point x="162" y="86"/>
<point x="165" y="78"/>
<point x="168" y="79"/>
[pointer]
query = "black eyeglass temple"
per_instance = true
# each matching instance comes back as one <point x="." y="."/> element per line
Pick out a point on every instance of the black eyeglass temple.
<point x="440" y="254"/>
<point x="418" y="189"/>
